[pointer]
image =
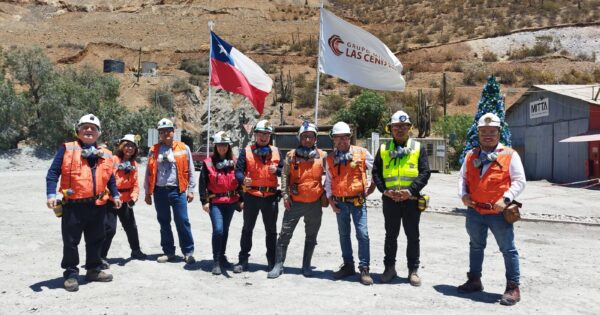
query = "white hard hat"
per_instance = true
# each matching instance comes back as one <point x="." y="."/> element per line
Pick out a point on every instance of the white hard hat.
<point x="400" y="117"/>
<point x="306" y="126"/>
<point x="340" y="128"/>
<point x="131" y="138"/>
<point x="221" y="137"/>
<point x="89" y="119"/>
<point x="489" y="120"/>
<point x="264" y="126"/>
<point x="165" y="123"/>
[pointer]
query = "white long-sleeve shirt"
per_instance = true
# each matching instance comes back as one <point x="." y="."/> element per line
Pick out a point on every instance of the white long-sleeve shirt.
<point x="368" y="161"/>
<point x="516" y="171"/>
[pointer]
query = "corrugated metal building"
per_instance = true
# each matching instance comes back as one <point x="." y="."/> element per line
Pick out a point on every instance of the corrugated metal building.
<point x="546" y="114"/>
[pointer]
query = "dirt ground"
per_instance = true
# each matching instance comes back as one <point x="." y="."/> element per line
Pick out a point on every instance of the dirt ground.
<point x="558" y="262"/>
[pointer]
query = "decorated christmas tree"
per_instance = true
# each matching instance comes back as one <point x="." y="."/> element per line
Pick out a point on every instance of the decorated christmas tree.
<point x="491" y="102"/>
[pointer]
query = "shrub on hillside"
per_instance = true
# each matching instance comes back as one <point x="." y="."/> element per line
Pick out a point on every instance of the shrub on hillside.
<point x="305" y="97"/>
<point x="489" y="56"/>
<point x="195" y="66"/>
<point x="163" y="98"/>
<point x="332" y="104"/>
<point x="180" y="85"/>
<point x="462" y="100"/>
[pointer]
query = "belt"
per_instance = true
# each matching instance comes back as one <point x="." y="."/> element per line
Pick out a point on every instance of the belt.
<point x="82" y="200"/>
<point x="125" y="190"/>
<point x="264" y="188"/>
<point x="482" y="205"/>
<point x="347" y="199"/>
<point x="230" y="193"/>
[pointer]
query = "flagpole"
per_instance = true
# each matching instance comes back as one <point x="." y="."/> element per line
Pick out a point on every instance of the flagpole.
<point x="210" y="28"/>
<point x="318" y="63"/>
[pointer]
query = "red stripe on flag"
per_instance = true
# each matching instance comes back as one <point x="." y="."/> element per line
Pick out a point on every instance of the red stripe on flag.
<point x="230" y="79"/>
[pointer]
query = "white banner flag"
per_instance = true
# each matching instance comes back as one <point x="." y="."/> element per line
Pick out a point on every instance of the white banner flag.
<point x="356" y="56"/>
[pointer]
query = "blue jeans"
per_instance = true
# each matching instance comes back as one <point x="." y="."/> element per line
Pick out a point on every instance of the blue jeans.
<point x="359" y="216"/>
<point x="164" y="199"/>
<point x="477" y="227"/>
<point x="220" y="217"/>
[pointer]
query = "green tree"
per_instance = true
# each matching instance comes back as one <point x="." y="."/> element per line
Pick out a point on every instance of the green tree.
<point x="70" y="95"/>
<point x="13" y="116"/>
<point x="32" y="67"/>
<point x="455" y="127"/>
<point x="365" y="112"/>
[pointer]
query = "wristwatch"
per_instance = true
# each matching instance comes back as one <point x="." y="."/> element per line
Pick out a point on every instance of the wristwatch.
<point x="506" y="201"/>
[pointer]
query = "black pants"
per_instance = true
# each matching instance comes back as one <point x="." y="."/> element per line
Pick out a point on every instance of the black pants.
<point x="127" y="218"/>
<point x="394" y="213"/>
<point x="86" y="219"/>
<point x="268" y="207"/>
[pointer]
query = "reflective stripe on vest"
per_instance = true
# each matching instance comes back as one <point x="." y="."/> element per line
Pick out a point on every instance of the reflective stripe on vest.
<point x="221" y="182"/>
<point x="399" y="173"/>
<point x="307" y="176"/>
<point x="126" y="181"/>
<point x="181" y="163"/>
<point x="259" y="171"/>
<point x="76" y="174"/>
<point x="349" y="179"/>
<point x="490" y="187"/>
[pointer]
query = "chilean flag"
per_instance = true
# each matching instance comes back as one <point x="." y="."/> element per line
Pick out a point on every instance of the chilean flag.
<point x="232" y="71"/>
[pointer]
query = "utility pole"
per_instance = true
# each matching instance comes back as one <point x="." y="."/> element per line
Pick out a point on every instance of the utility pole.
<point x="444" y="92"/>
<point x="139" y="74"/>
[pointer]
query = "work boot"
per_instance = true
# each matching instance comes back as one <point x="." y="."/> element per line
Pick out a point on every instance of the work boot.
<point x="277" y="269"/>
<point x="166" y="258"/>
<point x="414" y="278"/>
<point x="189" y="259"/>
<point x="241" y="266"/>
<point x="98" y="276"/>
<point x="306" y="258"/>
<point x="224" y="262"/>
<point x="138" y="254"/>
<point x="473" y="284"/>
<point x="365" y="277"/>
<point x="105" y="265"/>
<point x="511" y="295"/>
<point x="270" y="263"/>
<point x="216" y="269"/>
<point x="388" y="274"/>
<point x="346" y="269"/>
<point x="71" y="284"/>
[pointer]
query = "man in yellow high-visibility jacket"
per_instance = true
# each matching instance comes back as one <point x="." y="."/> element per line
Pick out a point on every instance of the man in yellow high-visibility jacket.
<point x="400" y="171"/>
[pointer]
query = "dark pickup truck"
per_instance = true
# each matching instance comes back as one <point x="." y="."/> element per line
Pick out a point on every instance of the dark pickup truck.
<point x="199" y="156"/>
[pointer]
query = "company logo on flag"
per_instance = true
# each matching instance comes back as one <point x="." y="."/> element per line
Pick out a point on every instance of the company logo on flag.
<point x="356" y="56"/>
<point x="232" y="71"/>
<point x="334" y="42"/>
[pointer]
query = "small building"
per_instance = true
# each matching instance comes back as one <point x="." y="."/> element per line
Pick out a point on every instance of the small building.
<point x="547" y="114"/>
<point x="149" y="68"/>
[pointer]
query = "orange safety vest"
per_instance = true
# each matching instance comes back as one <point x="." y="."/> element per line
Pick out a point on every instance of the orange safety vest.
<point x="181" y="163"/>
<point x="349" y="179"/>
<point x="493" y="184"/>
<point x="221" y="182"/>
<point x="306" y="175"/>
<point x="76" y="174"/>
<point x="258" y="171"/>
<point x="127" y="182"/>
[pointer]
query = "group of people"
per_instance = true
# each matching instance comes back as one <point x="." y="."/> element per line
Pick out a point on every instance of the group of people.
<point x="98" y="187"/>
